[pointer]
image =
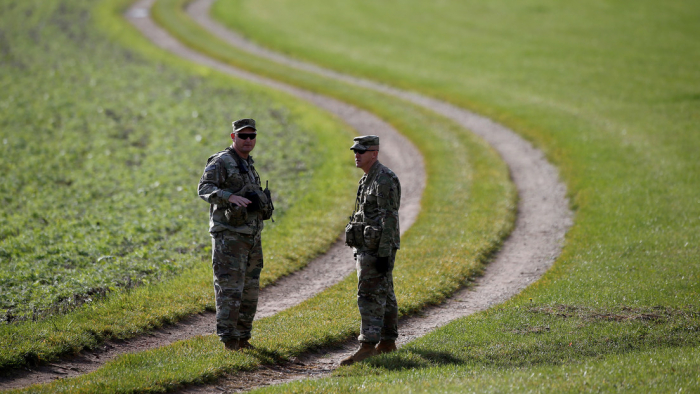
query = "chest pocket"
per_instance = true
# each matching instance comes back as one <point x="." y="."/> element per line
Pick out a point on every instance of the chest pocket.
<point x="370" y="207"/>
<point x="371" y="197"/>
<point x="234" y="181"/>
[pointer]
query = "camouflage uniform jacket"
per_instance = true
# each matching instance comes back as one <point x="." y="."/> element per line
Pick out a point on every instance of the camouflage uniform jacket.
<point x="222" y="178"/>
<point x="378" y="200"/>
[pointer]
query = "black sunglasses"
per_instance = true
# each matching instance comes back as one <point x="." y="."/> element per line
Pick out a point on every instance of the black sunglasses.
<point x="356" y="151"/>
<point x="247" y="135"/>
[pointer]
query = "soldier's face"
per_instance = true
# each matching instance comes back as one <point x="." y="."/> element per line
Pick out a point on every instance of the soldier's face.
<point x="242" y="144"/>
<point x="366" y="159"/>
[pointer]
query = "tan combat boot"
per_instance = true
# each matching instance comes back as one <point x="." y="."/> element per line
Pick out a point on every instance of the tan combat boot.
<point x="231" y="344"/>
<point x="366" y="350"/>
<point x="386" y="347"/>
<point x="245" y="344"/>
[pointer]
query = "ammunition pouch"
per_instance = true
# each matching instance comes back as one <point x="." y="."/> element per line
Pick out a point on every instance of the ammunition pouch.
<point x="354" y="234"/>
<point x="372" y="235"/>
<point x="255" y="200"/>
<point x="236" y="216"/>
<point x="260" y="200"/>
<point x="269" y="207"/>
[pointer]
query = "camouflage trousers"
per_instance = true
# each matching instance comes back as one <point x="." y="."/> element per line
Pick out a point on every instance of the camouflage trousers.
<point x="237" y="260"/>
<point x="376" y="300"/>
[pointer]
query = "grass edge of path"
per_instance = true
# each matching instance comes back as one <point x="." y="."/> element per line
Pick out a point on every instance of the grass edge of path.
<point x="289" y="245"/>
<point x="571" y="171"/>
<point x="452" y="256"/>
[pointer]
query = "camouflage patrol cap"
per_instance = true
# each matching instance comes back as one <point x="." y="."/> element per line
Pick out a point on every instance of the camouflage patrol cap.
<point x="364" y="142"/>
<point x="241" y="124"/>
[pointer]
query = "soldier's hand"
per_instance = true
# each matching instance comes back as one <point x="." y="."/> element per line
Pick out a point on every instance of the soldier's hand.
<point x="239" y="201"/>
<point x="382" y="265"/>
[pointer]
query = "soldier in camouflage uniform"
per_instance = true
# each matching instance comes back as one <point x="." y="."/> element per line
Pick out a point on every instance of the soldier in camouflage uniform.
<point x="238" y="207"/>
<point x="373" y="232"/>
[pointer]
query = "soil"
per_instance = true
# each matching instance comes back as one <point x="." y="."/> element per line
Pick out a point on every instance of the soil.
<point x="543" y="219"/>
<point x="398" y="153"/>
<point x="536" y="241"/>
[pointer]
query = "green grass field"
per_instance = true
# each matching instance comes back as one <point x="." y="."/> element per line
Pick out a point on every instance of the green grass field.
<point x="610" y="96"/>
<point x="460" y="168"/>
<point x="102" y="234"/>
<point x="610" y="91"/>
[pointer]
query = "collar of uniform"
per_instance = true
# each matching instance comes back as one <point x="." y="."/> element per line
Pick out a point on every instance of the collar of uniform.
<point x="373" y="170"/>
<point x="370" y="175"/>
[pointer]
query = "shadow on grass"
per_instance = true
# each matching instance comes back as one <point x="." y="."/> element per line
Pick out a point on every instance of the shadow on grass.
<point x="414" y="359"/>
<point x="266" y="356"/>
<point x="556" y="336"/>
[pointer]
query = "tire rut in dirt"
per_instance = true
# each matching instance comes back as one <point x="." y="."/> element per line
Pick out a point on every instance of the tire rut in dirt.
<point x="537" y="239"/>
<point x="322" y="272"/>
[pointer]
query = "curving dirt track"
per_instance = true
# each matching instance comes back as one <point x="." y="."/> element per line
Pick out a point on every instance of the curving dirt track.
<point x="543" y="212"/>
<point x="542" y="222"/>
<point x="543" y="219"/>
<point x="398" y="153"/>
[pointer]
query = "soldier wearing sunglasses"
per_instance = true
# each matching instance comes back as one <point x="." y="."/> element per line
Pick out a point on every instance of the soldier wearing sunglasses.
<point x="373" y="232"/>
<point x="238" y="207"/>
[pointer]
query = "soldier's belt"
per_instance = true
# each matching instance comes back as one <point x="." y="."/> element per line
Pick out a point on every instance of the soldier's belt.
<point x="362" y="235"/>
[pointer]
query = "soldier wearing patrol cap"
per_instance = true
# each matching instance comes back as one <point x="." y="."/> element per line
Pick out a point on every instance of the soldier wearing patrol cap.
<point x="238" y="207"/>
<point x="373" y="232"/>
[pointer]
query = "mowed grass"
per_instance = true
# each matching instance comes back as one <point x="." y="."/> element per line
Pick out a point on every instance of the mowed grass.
<point x="535" y="348"/>
<point x="102" y="234"/>
<point x="609" y="373"/>
<point x="449" y="242"/>
<point x="610" y="91"/>
<point x="435" y="259"/>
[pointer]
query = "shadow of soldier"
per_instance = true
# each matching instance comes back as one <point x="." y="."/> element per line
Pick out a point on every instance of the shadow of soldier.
<point x="413" y="359"/>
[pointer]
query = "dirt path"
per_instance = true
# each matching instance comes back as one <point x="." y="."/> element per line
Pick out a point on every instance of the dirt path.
<point x="398" y="153"/>
<point x="543" y="219"/>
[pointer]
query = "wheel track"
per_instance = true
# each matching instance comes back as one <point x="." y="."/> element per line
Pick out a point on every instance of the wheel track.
<point x="541" y="225"/>
<point x="543" y="214"/>
<point x="322" y="272"/>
